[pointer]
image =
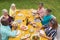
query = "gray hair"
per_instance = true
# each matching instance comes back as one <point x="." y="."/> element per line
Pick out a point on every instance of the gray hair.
<point x="4" y="10"/>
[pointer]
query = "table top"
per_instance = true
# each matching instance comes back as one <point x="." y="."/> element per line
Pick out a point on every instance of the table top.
<point x="22" y="15"/>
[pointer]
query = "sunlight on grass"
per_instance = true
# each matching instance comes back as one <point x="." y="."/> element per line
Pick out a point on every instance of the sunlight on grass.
<point x="28" y="4"/>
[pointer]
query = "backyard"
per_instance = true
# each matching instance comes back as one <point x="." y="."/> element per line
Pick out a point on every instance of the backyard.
<point x="54" y="5"/>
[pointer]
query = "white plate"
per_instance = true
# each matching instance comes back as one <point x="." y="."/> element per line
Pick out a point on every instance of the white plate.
<point x="19" y="21"/>
<point x="22" y="37"/>
<point x="37" y="34"/>
<point x="14" y="22"/>
<point x="20" y="14"/>
<point x="37" y="20"/>
<point x="34" y="11"/>
<point x="27" y="35"/>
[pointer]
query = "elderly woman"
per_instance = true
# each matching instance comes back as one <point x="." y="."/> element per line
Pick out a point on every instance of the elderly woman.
<point x="6" y="16"/>
<point x="12" y="10"/>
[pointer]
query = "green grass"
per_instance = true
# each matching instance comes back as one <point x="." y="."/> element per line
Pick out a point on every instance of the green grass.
<point x="27" y="4"/>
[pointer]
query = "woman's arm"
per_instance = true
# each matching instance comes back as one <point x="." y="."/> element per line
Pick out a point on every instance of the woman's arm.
<point x="49" y="38"/>
<point x="9" y="32"/>
<point x="12" y="33"/>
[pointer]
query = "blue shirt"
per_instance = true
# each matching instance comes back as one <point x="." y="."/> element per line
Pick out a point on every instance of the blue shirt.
<point x="46" y="19"/>
<point x="6" y="32"/>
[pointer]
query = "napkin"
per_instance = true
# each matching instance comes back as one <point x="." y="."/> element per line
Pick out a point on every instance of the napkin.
<point x="41" y="31"/>
<point x="18" y="32"/>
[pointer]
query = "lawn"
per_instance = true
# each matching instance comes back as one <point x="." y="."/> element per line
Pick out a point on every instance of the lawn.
<point x="54" y="5"/>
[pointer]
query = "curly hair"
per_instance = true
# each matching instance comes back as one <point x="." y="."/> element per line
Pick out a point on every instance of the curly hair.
<point x="4" y="22"/>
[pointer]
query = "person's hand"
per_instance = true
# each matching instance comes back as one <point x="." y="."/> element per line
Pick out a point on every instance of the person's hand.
<point x="37" y="30"/>
<point x="27" y="38"/>
<point x="18" y="32"/>
<point x="23" y="27"/>
<point x="49" y="38"/>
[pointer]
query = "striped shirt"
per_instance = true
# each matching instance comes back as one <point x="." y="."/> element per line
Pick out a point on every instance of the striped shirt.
<point x="50" y="32"/>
